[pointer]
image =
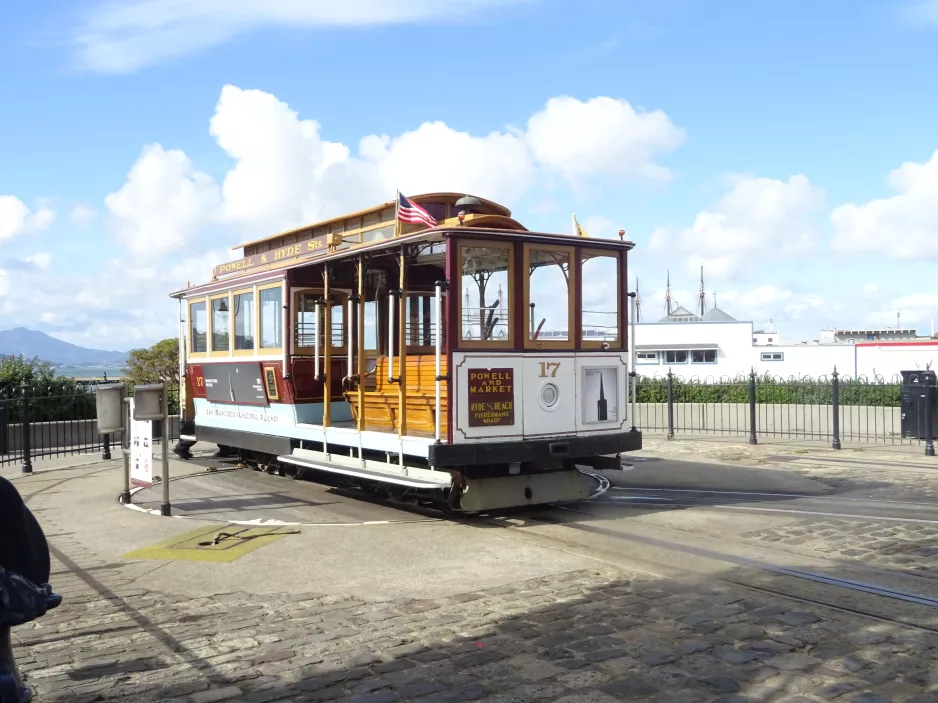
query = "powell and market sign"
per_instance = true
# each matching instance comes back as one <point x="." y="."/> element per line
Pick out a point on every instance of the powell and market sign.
<point x="302" y="250"/>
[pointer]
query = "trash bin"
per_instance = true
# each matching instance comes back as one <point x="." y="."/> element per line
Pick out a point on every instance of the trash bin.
<point x="914" y="398"/>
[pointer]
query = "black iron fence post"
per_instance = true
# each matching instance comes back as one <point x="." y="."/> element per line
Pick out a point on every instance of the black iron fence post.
<point x="4" y="426"/>
<point x="670" y="405"/>
<point x="835" y="401"/>
<point x="752" y="407"/>
<point x="929" y="395"/>
<point x="27" y="431"/>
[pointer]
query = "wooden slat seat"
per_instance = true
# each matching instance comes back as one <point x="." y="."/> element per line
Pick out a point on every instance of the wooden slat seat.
<point x="381" y="396"/>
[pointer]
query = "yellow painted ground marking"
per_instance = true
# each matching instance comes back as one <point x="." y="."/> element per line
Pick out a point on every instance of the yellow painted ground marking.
<point x="213" y="544"/>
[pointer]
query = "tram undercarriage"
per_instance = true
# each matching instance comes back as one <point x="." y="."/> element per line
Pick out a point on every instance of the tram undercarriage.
<point x="468" y="489"/>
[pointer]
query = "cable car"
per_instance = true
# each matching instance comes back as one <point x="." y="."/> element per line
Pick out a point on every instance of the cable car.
<point x="428" y="349"/>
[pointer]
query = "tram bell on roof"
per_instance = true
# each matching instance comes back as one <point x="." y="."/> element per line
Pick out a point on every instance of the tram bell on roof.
<point x="469" y="204"/>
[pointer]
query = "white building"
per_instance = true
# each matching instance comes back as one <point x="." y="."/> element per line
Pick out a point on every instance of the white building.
<point x="718" y="346"/>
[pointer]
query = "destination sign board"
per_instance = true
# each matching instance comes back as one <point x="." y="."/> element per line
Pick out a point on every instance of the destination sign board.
<point x="301" y="250"/>
<point x="239" y="383"/>
<point x="491" y="397"/>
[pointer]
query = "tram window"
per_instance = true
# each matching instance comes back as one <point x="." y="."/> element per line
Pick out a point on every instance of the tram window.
<point x="244" y="321"/>
<point x="371" y="325"/>
<point x="220" y="325"/>
<point x="486" y="293"/>
<point x="305" y="317"/>
<point x="548" y="303"/>
<point x="600" y="298"/>
<point x="198" y="319"/>
<point x="338" y="326"/>
<point x="271" y="318"/>
<point x="421" y="321"/>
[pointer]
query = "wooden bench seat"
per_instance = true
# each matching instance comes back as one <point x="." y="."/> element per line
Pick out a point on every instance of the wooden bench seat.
<point x="381" y="397"/>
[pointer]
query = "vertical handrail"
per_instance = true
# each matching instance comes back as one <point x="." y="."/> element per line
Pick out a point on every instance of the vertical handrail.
<point x="316" y="312"/>
<point x="402" y="353"/>
<point x="438" y="302"/>
<point x="361" y="349"/>
<point x="327" y="351"/>
<point x="350" y="336"/>
<point x="633" y="357"/>
<point x="391" y="317"/>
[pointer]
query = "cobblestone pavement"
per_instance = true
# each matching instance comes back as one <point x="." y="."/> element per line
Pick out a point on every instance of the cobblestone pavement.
<point x="909" y="547"/>
<point x="580" y="637"/>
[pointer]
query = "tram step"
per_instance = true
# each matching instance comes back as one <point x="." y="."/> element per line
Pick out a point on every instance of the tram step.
<point x="371" y="471"/>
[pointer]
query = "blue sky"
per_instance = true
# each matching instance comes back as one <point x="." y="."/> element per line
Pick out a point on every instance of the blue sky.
<point x="755" y="138"/>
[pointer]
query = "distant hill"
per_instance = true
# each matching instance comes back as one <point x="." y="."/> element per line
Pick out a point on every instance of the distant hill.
<point x="31" y="344"/>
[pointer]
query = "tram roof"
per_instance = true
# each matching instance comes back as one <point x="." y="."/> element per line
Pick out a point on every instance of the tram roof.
<point x="273" y="270"/>
<point x="446" y="197"/>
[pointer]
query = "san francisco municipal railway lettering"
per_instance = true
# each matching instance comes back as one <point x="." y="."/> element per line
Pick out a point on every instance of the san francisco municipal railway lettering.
<point x="491" y="397"/>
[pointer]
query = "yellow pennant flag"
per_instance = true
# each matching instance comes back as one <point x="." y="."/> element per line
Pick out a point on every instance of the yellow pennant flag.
<point x="578" y="231"/>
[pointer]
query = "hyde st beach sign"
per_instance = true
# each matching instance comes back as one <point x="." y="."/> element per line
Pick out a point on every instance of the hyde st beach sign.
<point x="294" y="252"/>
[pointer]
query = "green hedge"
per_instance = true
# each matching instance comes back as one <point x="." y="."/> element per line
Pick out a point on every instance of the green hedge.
<point x="769" y="390"/>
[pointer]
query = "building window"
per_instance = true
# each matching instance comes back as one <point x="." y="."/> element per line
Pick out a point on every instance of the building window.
<point x="646" y="357"/>
<point x="703" y="356"/>
<point x="220" y="330"/>
<point x="271" y="302"/>
<point x="677" y="356"/>
<point x="244" y="321"/>
<point x="770" y="340"/>
<point x="198" y="319"/>
<point x="773" y="356"/>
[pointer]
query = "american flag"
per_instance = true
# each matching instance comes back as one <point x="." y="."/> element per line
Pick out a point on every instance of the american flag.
<point x="409" y="211"/>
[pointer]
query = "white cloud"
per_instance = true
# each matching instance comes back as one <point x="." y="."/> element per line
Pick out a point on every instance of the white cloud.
<point x="601" y="137"/>
<point x="162" y="204"/>
<point x="16" y="218"/>
<point x="760" y="218"/>
<point x="82" y="215"/>
<point x="904" y="226"/>
<point x="871" y="287"/>
<point x="286" y="174"/>
<point x="124" y="35"/>
<point x="918" y="308"/>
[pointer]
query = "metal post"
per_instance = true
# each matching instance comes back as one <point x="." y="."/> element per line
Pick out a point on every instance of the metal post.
<point x="125" y="449"/>
<point x="165" y="509"/>
<point x="27" y="431"/>
<point x="929" y="394"/>
<point x="106" y="451"/>
<point x="835" y="398"/>
<point x="670" y="405"/>
<point x="752" y="407"/>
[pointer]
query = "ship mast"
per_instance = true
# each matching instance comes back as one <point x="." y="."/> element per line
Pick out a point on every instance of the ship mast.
<point x="667" y="295"/>
<point x="701" y="295"/>
<point x="638" y="303"/>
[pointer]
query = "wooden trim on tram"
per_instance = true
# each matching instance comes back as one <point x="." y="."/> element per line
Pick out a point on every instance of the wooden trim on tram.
<point x="361" y="343"/>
